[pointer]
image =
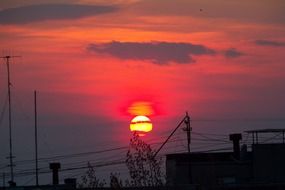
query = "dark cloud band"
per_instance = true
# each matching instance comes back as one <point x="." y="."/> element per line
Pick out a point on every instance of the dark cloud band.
<point x="270" y="43"/>
<point x="156" y="52"/>
<point x="233" y="53"/>
<point x="36" y="13"/>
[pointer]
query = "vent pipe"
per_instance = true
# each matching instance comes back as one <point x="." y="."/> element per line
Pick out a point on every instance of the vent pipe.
<point x="236" y="146"/>
<point x="54" y="167"/>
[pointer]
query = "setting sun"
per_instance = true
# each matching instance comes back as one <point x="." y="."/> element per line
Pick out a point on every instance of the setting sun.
<point x="141" y="124"/>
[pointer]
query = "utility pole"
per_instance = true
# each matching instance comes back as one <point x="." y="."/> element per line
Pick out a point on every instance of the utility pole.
<point x="188" y="130"/>
<point x="7" y="58"/>
<point x="36" y="139"/>
<point x="185" y="120"/>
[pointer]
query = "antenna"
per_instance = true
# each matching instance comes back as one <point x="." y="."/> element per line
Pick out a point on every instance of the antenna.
<point x="7" y="58"/>
<point x="36" y="138"/>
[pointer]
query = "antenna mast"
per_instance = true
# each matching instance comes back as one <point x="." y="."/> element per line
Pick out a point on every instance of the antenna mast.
<point x="7" y="58"/>
<point x="36" y="138"/>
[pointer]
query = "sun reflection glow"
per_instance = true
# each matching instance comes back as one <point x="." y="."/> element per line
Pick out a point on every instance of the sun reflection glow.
<point x="141" y="108"/>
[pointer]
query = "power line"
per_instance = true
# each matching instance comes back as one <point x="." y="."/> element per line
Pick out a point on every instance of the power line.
<point x="198" y="137"/>
<point x="58" y="157"/>
<point x="82" y="154"/>
<point x="281" y="119"/>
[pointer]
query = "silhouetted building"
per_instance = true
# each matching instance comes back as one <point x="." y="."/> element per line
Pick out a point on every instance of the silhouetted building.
<point x="263" y="166"/>
<point x="69" y="183"/>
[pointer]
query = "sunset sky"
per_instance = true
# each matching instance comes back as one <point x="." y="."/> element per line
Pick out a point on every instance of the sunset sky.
<point x="93" y="62"/>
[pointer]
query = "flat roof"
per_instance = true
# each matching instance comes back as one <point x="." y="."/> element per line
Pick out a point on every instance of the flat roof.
<point x="204" y="157"/>
<point x="266" y="131"/>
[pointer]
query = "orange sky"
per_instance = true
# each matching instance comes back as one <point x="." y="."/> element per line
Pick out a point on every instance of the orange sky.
<point x="216" y="59"/>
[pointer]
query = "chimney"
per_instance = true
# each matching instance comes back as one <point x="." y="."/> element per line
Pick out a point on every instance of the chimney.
<point x="236" y="138"/>
<point x="54" y="167"/>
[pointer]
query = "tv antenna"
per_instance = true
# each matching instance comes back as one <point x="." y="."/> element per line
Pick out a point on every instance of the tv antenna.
<point x="7" y="58"/>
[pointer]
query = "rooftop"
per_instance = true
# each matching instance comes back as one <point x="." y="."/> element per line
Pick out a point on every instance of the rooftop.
<point x="266" y="131"/>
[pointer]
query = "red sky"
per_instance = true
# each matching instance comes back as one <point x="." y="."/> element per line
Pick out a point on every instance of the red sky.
<point x="90" y="60"/>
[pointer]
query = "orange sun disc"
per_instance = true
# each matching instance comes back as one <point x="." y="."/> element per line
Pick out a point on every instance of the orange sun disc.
<point x="141" y="124"/>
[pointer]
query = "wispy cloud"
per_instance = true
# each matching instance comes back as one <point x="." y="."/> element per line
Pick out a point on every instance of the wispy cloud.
<point x="270" y="43"/>
<point x="233" y="53"/>
<point x="36" y="13"/>
<point x="156" y="52"/>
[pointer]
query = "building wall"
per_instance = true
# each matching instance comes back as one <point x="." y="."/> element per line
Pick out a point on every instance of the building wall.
<point x="224" y="169"/>
<point x="268" y="162"/>
<point x="219" y="173"/>
<point x="265" y="165"/>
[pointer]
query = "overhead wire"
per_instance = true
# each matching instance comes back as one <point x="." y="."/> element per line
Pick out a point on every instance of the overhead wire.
<point x="207" y="140"/>
<point x="98" y="164"/>
<point x="239" y="120"/>
<point x="59" y="157"/>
